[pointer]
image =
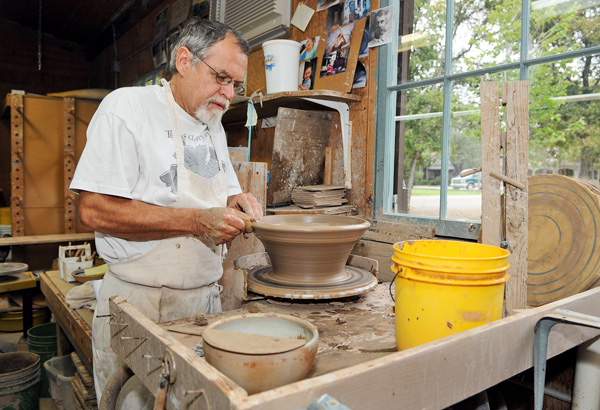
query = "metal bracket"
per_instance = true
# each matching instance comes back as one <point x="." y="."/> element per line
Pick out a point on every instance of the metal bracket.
<point x="540" y="345"/>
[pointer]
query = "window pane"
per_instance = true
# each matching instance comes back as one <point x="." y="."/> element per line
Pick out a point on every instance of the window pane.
<point x="487" y="33"/>
<point x="418" y="156"/>
<point x="464" y="193"/>
<point x="565" y="118"/>
<point x="559" y="26"/>
<point x="421" y="42"/>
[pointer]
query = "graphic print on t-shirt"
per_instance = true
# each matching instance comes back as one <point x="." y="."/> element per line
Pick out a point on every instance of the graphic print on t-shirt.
<point x="201" y="159"/>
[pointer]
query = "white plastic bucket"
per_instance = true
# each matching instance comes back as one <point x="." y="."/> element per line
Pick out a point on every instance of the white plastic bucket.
<point x="282" y="59"/>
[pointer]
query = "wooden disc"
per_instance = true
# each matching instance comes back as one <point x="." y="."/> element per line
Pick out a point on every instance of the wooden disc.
<point x="564" y="238"/>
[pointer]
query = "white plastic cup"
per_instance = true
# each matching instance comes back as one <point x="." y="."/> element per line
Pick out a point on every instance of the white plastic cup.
<point x="282" y="63"/>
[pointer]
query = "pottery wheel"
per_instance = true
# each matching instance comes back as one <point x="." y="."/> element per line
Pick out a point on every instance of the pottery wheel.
<point x="10" y="268"/>
<point x="357" y="282"/>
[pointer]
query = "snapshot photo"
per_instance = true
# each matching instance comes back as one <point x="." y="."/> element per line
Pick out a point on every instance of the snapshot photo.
<point x="360" y="76"/>
<point x="356" y="10"/>
<point x="307" y="72"/>
<point x="335" y="62"/>
<point x="364" y="42"/>
<point x="339" y="38"/>
<point x="380" y="31"/>
<point x="308" y="48"/>
<point x="325" y="4"/>
<point x="335" y="16"/>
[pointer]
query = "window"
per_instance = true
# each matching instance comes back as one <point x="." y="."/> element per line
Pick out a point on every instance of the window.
<point x="428" y="118"/>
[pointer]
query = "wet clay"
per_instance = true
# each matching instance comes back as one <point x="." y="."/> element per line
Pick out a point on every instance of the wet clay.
<point x="309" y="249"/>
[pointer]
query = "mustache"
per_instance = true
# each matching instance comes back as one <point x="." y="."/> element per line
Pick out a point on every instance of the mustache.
<point x="219" y="100"/>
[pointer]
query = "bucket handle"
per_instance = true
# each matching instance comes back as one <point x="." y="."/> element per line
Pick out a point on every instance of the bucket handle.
<point x="392" y="282"/>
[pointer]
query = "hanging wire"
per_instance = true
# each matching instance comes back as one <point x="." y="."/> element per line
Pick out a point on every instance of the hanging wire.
<point x="39" y="56"/>
<point x="116" y="61"/>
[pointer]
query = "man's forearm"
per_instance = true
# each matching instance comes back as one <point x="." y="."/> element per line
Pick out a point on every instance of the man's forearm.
<point x="136" y="220"/>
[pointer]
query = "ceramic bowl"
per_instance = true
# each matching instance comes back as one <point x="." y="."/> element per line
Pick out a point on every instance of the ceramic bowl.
<point x="309" y="249"/>
<point x="257" y="367"/>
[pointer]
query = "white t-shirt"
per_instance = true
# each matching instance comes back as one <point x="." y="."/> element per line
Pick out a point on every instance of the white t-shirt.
<point x="130" y="153"/>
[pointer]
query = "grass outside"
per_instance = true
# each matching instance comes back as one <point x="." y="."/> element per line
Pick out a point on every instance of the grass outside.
<point x="436" y="191"/>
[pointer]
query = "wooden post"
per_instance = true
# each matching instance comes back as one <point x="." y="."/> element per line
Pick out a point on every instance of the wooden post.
<point x="17" y="172"/>
<point x="491" y="217"/>
<point x="253" y="179"/>
<point x="516" y="95"/>
<point x="69" y="161"/>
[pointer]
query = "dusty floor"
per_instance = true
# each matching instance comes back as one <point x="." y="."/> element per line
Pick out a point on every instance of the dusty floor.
<point x="14" y="341"/>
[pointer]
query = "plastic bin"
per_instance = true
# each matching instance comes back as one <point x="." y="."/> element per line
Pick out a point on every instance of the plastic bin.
<point x="60" y="371"/>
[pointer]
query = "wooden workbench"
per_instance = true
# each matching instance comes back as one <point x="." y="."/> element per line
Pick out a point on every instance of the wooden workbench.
<point x="357" y="362"/>
<point x="75" y="325"/>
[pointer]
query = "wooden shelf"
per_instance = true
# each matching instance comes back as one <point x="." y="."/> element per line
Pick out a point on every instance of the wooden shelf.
<point x="290" y="99"/>
<point x="39" y="239"/>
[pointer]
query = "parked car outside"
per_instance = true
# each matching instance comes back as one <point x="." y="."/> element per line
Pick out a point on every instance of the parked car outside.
<point x="469" y="182"/>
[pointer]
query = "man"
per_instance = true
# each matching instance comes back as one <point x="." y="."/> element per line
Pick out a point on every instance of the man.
<point x="381" y="22"/>
<point x="157" y="186"/>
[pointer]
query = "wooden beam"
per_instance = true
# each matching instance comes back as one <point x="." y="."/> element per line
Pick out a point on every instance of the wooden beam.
<point x="39" y="239"/>
<point x="17" y="173"/>
<point x="516" y="94"/>
<point x="69" y="164"/>
<point x="491" y="220"/>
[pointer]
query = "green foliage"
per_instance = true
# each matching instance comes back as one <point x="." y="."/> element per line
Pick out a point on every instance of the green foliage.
<point x="487" y="33"/>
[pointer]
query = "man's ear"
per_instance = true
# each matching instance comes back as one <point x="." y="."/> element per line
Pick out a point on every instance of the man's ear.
<point x="183" y="61"/>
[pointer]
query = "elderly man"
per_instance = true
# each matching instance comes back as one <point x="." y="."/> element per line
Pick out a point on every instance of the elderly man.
<point x="158" y="188"/>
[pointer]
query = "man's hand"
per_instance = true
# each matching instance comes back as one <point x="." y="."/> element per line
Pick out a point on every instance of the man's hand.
<point x="246" y="203"/>
<point x="220" y="225"/>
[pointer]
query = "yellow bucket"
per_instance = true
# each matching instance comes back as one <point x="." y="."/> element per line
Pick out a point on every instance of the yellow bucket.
<point x="445" y="287"/>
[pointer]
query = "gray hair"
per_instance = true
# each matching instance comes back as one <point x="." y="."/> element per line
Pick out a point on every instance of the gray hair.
<point x="199" y="35"/>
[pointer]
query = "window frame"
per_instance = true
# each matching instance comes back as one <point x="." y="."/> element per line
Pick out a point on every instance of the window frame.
<point x="385" y="115"/>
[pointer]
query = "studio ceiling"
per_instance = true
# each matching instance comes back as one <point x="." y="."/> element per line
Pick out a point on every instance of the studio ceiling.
<point x="81" y="26"/>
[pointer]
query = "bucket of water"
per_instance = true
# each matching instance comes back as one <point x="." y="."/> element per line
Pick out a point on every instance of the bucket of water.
<point x="446" y="287"/>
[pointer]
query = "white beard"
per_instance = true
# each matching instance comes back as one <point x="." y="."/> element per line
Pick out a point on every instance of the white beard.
<point x="211" y="116"/>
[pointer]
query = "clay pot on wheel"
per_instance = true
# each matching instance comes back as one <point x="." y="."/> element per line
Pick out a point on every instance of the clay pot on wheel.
<point x="309" y="249"/>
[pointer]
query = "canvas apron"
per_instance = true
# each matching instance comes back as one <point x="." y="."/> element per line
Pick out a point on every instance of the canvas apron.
<point x="177" y="278"/>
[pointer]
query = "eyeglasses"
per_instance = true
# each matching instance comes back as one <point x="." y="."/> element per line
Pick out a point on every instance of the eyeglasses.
<point x="224" y="79"/>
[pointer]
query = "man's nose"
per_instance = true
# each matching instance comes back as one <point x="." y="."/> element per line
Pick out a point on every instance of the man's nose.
<point x="227" y="90"/>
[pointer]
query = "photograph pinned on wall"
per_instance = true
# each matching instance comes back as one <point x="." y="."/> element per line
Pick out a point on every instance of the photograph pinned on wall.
<point x="380" y="31"/>
<point x="364" y="42"/>
<point x="360" y="76"/>
<point x="308" y="48"/>
<point x="335" y="62"/>
<point x="306" y="80"/>
<point x="335" y="16"/>
<point x="335" y="58"/>
<point x="339" y="38"/>
<point x="325" y="4"/>
<point x="356" y="10"/>
<point x="337" y="55"/>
